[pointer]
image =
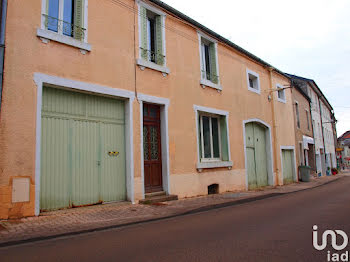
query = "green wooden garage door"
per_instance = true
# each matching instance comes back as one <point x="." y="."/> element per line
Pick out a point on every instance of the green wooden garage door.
<point x="256" y="155"/>
<point x="287" y="165"/>
<point x="78" y="133"/>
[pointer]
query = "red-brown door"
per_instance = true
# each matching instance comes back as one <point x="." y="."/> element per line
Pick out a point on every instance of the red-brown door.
<point x="152" y="148"/>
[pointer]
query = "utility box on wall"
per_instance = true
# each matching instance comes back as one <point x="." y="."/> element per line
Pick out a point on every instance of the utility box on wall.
<point x="20" y="189"/>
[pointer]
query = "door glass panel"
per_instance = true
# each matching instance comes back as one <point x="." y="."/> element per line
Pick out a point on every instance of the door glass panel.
<point x="215" y="130"/>
<point x="145" y="111"/>
<point x="145" y="143"/>
<point x="154" y="143"/>
<point x="206" y="137"/>
<point x="68" y="17"/>
<point x="153" y="112"/>
<point x="52" y="21"/>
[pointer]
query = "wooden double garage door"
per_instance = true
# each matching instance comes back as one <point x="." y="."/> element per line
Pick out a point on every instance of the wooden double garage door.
<point x="82" y="150"/>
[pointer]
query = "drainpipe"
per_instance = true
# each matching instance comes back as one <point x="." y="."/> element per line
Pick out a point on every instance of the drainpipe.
<point x="274" y="126"/>
<point x="2" y="43"/>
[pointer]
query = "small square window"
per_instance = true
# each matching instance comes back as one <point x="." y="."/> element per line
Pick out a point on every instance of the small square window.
<point x="253" y="81"/>
<point x="281" y="94"/>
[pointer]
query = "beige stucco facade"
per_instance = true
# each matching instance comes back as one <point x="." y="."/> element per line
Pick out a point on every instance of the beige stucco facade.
<point x="305" y="151"/>
<point x="111" y="63"/>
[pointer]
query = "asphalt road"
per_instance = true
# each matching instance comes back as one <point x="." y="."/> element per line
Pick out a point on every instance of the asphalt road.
<point x="273" y="229"/>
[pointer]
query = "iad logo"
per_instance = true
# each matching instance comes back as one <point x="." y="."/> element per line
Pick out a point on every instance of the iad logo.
<point x="333" y="235"/>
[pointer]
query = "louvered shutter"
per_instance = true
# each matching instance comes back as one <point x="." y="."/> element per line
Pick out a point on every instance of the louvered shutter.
<point x="159" y="41"/>
<point x="143" y="19"/>
<point x="224" y="141"/>
<point x="78" y="20"/>
<point x="213" y="67"/>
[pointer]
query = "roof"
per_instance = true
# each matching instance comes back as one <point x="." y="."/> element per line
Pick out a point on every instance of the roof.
<point x="298" y="88"/>
<point x="213" y="34"/>
<point x="315" y="85"/>
<point x="346" y="135"/>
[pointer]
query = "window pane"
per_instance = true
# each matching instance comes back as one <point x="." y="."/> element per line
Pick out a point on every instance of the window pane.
<point x="215" y="130"/>
<point x="251" y="83"/>
<point x="207" y="61"/>
<point x="68" y="17"/>
<point x="52" y="23"/>
<point x="206" y="137"/>
<point x="151" y="39"/>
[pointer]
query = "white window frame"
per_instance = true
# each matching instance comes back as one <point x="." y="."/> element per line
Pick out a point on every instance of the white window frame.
<point x="255" y="90"/>
<point x="205" y="82"/>
<point x="47" y="35"/>
<point x="201" y="110"/>
<point x="282" y="100"/>
<point x="145" y="63"/>
<point x="210" y="116"/>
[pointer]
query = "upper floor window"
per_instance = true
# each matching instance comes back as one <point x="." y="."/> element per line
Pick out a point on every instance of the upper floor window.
<point x="297" y="114"/>
<point x="281" y="94"/>
<point x="65" y="17"/>
<point x="152" y="38"/>
<point x="253" y="81"/>
<point x="209" y="61"/>
<point x="307" y="120"/>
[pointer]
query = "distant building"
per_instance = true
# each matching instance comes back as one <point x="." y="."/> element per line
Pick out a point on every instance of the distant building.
<point x="343" y="150"/>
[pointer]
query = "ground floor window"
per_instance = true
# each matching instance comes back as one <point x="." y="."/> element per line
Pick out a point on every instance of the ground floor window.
<point x="213" y="140"/>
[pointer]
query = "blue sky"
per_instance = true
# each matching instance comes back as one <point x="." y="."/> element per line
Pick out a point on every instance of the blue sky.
<point x="307" y="38"/>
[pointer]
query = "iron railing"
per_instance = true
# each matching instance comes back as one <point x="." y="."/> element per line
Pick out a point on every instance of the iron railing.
<point x="63" y="27"/>
<point x="152" y="56"/>
<point x="209" y="76"/>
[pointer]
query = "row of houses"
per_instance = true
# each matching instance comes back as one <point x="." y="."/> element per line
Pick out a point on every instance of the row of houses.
<point x="116" y="100"/>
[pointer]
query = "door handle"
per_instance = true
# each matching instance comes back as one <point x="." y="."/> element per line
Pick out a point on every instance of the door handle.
<point x="98" y="162"/>
<point x="113" y="153"/>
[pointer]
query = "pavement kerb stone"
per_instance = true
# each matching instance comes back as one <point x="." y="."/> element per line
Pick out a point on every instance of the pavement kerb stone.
<point x="11" y="240"/>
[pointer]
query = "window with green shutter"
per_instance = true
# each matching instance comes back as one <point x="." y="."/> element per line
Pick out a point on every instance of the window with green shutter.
<point x="213" y="137"/>
<point x="65" y="17"/>
<point x="152" y="40"/>
<point x="209" y="65"/>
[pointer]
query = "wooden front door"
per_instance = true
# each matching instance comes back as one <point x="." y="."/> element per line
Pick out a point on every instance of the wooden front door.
<point x="152" y="148"/>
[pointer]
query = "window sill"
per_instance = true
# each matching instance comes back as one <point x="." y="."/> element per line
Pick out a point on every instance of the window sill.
<point x="47" y="35"/>
<point x="257" y="91"/>
<point x="214" y="164"/>
<point x="147" y="64"/>
<point x="205" y="82"/>
<point x="281" y="100"/>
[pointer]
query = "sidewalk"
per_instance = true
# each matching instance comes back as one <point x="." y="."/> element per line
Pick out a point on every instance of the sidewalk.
<point x="88" y="219"/>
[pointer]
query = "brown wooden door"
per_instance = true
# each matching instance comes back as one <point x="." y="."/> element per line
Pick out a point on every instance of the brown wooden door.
<point x="152" y="148"/>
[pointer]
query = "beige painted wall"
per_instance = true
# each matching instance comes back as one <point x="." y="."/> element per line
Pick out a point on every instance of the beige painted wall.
<point x="112" y="63"/>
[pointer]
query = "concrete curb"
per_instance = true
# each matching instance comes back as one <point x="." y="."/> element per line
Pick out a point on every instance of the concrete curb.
<point x="190" y="212"/>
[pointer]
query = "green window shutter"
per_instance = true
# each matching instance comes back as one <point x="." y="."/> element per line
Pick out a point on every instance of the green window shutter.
<point x="78" y="20"/>
<point x="224" y="137"/>
<point x="213" y="67"/>
<point x="143" y="19"/>
<point x="159" y="41"/>
<point x="199" y="137"/>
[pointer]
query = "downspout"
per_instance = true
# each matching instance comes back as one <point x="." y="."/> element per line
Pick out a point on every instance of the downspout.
<point x="274" y="126"/>
<point x="2" y="44"/>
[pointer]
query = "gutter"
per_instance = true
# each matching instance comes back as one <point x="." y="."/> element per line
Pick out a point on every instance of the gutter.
<point x="215" y="35"/>
<point x="2" y="45"/>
